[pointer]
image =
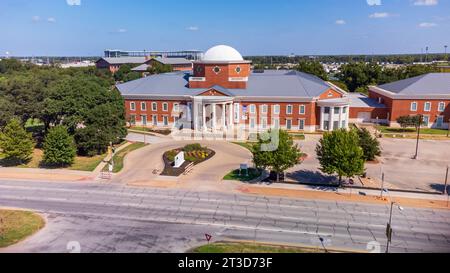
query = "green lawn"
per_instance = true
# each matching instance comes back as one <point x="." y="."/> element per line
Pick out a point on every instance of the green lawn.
<point x="246" y="145"/>
<point x="427" y="131"/>
<point x="150" y="130"/>
<point x="119" y="156"/>
<point x="224" y="247"/>
<point x="234" y="175"/>
<point x="17" y="225"/>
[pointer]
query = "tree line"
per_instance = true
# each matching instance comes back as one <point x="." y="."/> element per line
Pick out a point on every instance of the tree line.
<point x="80" y="101"/>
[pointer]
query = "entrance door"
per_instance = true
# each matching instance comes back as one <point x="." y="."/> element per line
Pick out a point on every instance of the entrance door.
<point x="289" y="124"/>
<point x="440" y="122"/>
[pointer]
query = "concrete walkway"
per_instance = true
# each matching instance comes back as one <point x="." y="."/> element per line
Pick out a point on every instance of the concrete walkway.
<point x="44" y="174"/>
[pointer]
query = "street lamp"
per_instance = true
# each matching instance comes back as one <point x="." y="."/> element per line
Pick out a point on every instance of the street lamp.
<point x="420" y="120"/>
<point x="389" y="225"/>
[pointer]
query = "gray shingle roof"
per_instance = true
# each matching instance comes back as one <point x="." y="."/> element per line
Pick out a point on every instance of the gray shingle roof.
<point x="126" y="60"/>
<point x="362" y="101"/>
<point x="173" y="61"/>
<point x="140" y="68"/>
<point x="428" y="84"/>
<point x="271" y="83"/>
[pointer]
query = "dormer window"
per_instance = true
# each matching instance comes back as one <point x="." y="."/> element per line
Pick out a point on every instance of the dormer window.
<point x="217" y="70"/>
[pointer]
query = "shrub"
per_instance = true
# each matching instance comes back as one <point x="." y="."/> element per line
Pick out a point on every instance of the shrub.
<point x="59" y="147"/>
<point x="192" y="147"/>
<point x="16" y="143"/>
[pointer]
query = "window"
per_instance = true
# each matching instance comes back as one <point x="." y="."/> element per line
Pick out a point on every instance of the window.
<point x="236" y="112"/>
<point x="302" y="110"/>
<point x="326" y="125"/>
<point x="143" y="106"/>
<point x="426" y="120"/>
<point x="264" y="109"/>
<point x="176" y="107"/>
<point x="289" y="110"/>
<point x="264" y="123"/>
<point x="199" y="69"/>
<point x="427" y="107"/>
<point x="276" y="122"/>
<point x="217" y="69"/>
<point x="327" y="110"/>
<point x="336" y="110"/>
<point x="132" y="106"/>
<point x="252" y="123"/>
<point x="165" y="107"/>
<point x="335" y="125"/>
<point x="276" y="109"/>
<point x="155" y="120"/>
<point x="288" y="124"/>
<point x="133" y="119"/>
<point x="413" y="106"/>
<point x="344" y="110"/>
<point x="154" y="106"/>
<point x="441" y="106"/>
<point x="144" y="120"/>
<point x="252" y="109"/>
<point x="440" y="122"/>
<point x="301" y="124"/>
<point x="238" y="69"/>
<point x="166" y="120"/>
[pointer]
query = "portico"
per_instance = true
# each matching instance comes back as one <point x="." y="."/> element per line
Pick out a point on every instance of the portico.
<point x="213" y="113"/>
<point x="334" y="114"/>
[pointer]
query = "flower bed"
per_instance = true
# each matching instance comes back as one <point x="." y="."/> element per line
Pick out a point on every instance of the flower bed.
<point x="193" y="153"/>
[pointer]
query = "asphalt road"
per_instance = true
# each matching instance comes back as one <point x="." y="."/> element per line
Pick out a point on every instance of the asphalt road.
<point x="115" y="218"/>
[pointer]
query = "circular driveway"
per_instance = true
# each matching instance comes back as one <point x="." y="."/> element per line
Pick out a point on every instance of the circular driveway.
<point x="145" y="165"/>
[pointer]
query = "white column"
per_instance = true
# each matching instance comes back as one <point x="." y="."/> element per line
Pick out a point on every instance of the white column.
<point x="331" y="128"/>
<point x="230" y="116"/>
<point x="214" y="117"/>
<point x="340" y="116"/>
<point x="322" y="113"/>
<point x="204" y="117"/>
<point x="224" y="116"/>
<point x="347" y="117"/>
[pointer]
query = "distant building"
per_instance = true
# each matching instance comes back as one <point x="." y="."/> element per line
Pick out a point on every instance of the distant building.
<point x="177" y="64"/>
<point x="192" y="55"/>
<point x="114" y="64"/>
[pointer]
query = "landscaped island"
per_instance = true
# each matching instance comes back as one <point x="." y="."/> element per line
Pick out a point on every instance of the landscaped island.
<point x="193" y="154"/>
<point x="17" y="225"/>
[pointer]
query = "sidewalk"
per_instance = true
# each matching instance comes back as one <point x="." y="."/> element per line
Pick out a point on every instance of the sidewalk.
<point x="44" y="174"/>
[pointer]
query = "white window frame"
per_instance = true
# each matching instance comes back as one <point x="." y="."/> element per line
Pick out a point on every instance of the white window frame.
<point x="132" y="106"/>
<point x="276" y="123"/>
<point x="276" y="109"/>
<point x="264" y="109"/>
<point x="154" y="106"/>
<point x="289" y="120"/>
<point x="166" y="118"/>
<point x="252" y="123"/>
<point x="428" y="119"/>
<point x="264" y="123"/>
<point x="301" y="128"/>
<point x="300" y="112"/>
<point x="425" y="106"/>
<point x="145" y="106"/>
<point x="441" y="109"/>
<point x="176" y="107"/>
<point x="252" y="109"/>
<point x="287" y="109"/>
<point x="165" y="107"/>
<point x="142" y="120"/>
<point x="413" y="109"/>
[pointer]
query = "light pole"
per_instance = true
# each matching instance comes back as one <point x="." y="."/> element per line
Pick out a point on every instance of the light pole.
<point x="418" y="135"/>
<point x="389" y="226"/>
<point x="446" y="181"/>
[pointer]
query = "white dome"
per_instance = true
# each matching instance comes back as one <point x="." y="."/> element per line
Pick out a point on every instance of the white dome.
<point x="222" y="53"/>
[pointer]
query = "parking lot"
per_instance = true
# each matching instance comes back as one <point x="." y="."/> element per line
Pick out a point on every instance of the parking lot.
<point x="427" y="173"/>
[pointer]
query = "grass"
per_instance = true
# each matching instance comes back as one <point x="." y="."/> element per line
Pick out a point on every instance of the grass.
<point x="17" y="225"/>
<point x="426" y="131"/>
<point x="120" y="155"/>
<point x="235" y="175"/>
<point x="246" y="145"/>
<point x="150" y="130"/>
<point x="296" y="136"/>
<point x="225" y="247"/>
<point x="81" y="163"/>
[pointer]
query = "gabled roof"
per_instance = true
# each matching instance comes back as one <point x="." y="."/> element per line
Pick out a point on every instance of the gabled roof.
<point x="428" y="84"/>
<point x="140" y="68"/>
<point x="271" y="84"/>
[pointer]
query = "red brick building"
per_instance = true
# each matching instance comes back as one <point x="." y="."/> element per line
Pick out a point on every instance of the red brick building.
<point x="221" y="93"/>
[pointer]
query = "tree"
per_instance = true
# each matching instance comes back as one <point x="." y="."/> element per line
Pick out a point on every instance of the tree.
<point x="312" y="67"/>
<point x="275" y="150"/>
<point x="59" y="147"/>
<point x="159" y="68"/>
<point x="6" y="111"/>
<point x="409" y="121"/>
<point x="16" y="144"/>
<point x="339" y="153"/>
<point x="369" y="144"/>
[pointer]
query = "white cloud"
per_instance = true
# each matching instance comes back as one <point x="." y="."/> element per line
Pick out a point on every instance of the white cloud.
<point x="427" y="25"/>
<point x="122" y="30"/>
<point x="51" y="19"/>
<point x="374" y="2"/>
<point x="73" y="2"/>
<point x="340" y="22"/>
<point x="426" y="2"/>
<point x="36" y="18"/>
<point x="378" y="15"/>
<point x="193" y="28"/>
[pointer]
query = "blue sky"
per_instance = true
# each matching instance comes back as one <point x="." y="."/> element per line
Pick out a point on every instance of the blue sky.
<point x="254" y="27"/>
